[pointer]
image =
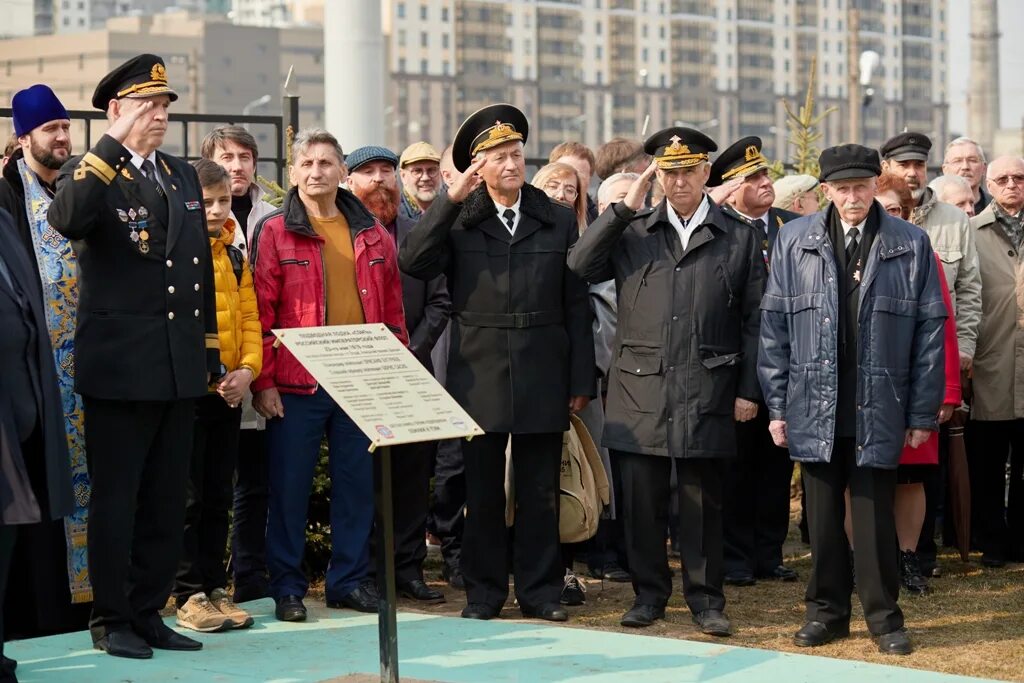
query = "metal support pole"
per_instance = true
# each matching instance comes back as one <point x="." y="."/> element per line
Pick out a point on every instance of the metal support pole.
<point x="386" y="621"/>
<point x="290" y="119"/>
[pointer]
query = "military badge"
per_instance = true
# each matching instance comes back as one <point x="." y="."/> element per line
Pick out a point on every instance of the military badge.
<point x="123" y="215"/>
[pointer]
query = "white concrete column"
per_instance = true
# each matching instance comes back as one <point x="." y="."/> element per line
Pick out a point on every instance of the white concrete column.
<point x="983" y="95"/>
<point x="354" y="72"/>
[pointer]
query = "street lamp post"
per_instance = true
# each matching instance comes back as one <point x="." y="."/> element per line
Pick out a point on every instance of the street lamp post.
<point x="869" y="61"/>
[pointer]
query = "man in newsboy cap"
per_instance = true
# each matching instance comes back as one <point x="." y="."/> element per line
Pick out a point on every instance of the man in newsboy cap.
<point x="851" y="365"/>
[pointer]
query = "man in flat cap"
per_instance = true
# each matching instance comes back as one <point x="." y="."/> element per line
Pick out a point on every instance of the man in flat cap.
<point x="521" y="355"/>
<point x="797" y="193"/>
<point x="50" y="564"/>
<point x="145" y="348"/>
<point x="756" y="487"/>
<point x="851" y="364"/>
<point x="906" y="155"/>
<point x="689" y="284"/>
<point x="373" y="180"/>
<point x="420" y="169"/>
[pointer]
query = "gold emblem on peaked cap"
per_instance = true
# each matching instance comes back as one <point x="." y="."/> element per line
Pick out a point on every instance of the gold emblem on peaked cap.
<point x="158" y="73"/>
<point x="752" y="153"/>
<point x="496" y="135"/>
<point x="676" y="147"/>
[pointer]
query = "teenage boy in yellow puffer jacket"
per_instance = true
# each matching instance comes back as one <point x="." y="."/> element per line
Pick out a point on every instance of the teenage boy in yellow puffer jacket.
<point x="202" y="601"/>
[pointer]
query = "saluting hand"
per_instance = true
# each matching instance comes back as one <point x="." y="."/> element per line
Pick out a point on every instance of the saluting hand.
<point x="719" y="195"/>
<point x="634" y="199"/>
<point x="468" y="182"/>
<point x="122" y="127"/>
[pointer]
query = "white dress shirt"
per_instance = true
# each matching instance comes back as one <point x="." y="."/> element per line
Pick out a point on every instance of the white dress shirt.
<point x="137" y="161"/>
<point x="500" y="208"/>
<point x="846" y="230"/>
<point x="686" y="230"/>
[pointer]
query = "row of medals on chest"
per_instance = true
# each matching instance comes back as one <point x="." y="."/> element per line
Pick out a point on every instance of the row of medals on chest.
<point x="137" y="222"/>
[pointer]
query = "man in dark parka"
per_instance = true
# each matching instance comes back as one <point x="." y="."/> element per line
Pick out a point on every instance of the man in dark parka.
<point x="689" y="287"/>
<point x="521" y="355"/>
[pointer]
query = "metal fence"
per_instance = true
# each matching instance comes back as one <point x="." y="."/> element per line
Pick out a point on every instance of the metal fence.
<point x="186" y="140"/>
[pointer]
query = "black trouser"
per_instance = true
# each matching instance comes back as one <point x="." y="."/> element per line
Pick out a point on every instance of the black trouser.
<point x="608" y="546"/>
<point x="410" y="495"/>
<point x="536" y="556"/>
<point x="447" y="511"/>
<point x="249" y="517"/>
<point x="935" y="490"/>
<point x="756" y="499"/>
<point x="645" y="506"/>
<point x="8" y="534"/>
<point x="876" y="556"/>
<point x="997" y="529"/>
<point x="138" y="454"/>
<point x="208" y="497"/>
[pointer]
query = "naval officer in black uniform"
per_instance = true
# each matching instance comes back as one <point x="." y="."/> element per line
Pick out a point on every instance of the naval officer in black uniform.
<point x="146" y="347"/>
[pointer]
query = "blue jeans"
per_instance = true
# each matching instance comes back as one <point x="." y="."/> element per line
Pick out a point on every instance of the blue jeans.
<point x="293" y="443"/>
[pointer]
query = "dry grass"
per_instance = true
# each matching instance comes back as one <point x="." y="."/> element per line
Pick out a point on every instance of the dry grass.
<point x="971" y="624"/>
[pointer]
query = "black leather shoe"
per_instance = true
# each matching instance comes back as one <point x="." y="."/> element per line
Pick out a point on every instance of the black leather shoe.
<point x="290" y="608"/>
<point x="815" y="633"/>
<point x="548" y="612"/>
<point x="476" y="610"/>
<point x="740" y="578"/>
<point x="713" y="622"/>
<point x="640" y="616"/>
<point x="992" y="560"/>
<point x="8" y="666"/>
<point x="362" y="599"/>
<point x="160" y="636"/>
<point x="910" y="573"/>
<point x="127" y="644"/>
<point x="895" y="643"/>
<point x="612" y="572"/>
<point x="780" y="573"/>
<point x="454" y="578"/>
<point x="418" y="590"/>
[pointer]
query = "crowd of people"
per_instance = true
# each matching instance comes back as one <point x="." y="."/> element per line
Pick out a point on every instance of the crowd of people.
<point x="708" y="326"/>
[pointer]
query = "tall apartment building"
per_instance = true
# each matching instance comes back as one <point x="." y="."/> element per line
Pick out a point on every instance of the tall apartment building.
<point x="591" y="69"/>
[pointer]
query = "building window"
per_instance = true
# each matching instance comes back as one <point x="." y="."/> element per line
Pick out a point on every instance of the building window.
<point x="597" y="28"/>
<point x="400" y="10"/>
<point x="445" y="67"/>
<point x="444" y="40"/>
<point x="401" y="64"/>
<point x="423" y="12"/>
<point x="423" y="66"/>
<point x="599" y="52"/>
<point x="424" y="40"/>
<point x="444" y="14"/>
<point x="401" y="37"/>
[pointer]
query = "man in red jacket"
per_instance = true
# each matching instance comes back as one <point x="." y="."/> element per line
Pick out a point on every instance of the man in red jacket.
<point x="322" y="259"/>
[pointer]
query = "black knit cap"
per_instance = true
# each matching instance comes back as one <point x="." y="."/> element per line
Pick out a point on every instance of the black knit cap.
<point x="848" y="161"/>
<point x="139" y="77"/>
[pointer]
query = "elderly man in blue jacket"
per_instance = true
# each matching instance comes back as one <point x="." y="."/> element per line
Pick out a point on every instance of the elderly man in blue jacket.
<point x="851" y="365"/>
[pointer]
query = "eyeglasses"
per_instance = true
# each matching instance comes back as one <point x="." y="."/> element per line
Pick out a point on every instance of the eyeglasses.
<point x="894" y="211"/>
<point x="568" y="191"/>
<point x="430" y="172"/>
<point x="1003" y="180"/>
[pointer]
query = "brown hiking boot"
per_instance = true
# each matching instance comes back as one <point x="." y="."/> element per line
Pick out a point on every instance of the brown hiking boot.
<point x="199" y="614"/>
<point x="238" y="616"/>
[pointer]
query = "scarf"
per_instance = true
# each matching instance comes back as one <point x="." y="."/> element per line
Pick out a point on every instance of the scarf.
<point x="58" y="272"/>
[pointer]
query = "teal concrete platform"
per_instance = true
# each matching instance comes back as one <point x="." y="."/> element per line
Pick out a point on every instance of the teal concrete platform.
<point x="337" y="643"/>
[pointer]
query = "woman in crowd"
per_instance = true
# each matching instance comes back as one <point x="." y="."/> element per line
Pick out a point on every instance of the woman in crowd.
<point x="894" y="195"/>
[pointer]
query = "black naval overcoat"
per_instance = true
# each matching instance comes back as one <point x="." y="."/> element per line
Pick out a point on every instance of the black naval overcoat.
<point x="521" y="338"/>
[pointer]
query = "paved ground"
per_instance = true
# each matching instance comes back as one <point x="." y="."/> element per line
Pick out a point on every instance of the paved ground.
<point x="340" y="645"/>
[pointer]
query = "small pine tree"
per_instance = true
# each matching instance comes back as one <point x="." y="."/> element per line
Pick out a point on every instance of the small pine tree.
<point x="803" y="129"/>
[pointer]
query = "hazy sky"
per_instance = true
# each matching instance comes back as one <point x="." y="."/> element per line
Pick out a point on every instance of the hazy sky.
<point x="1011" y="65"/>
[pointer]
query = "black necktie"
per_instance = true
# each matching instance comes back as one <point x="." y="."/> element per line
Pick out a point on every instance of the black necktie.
<point x="149" y="171"/>
<point x="851" y="249"/>
<point x="510" y="219"/>
<point x="761" y="225"/>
